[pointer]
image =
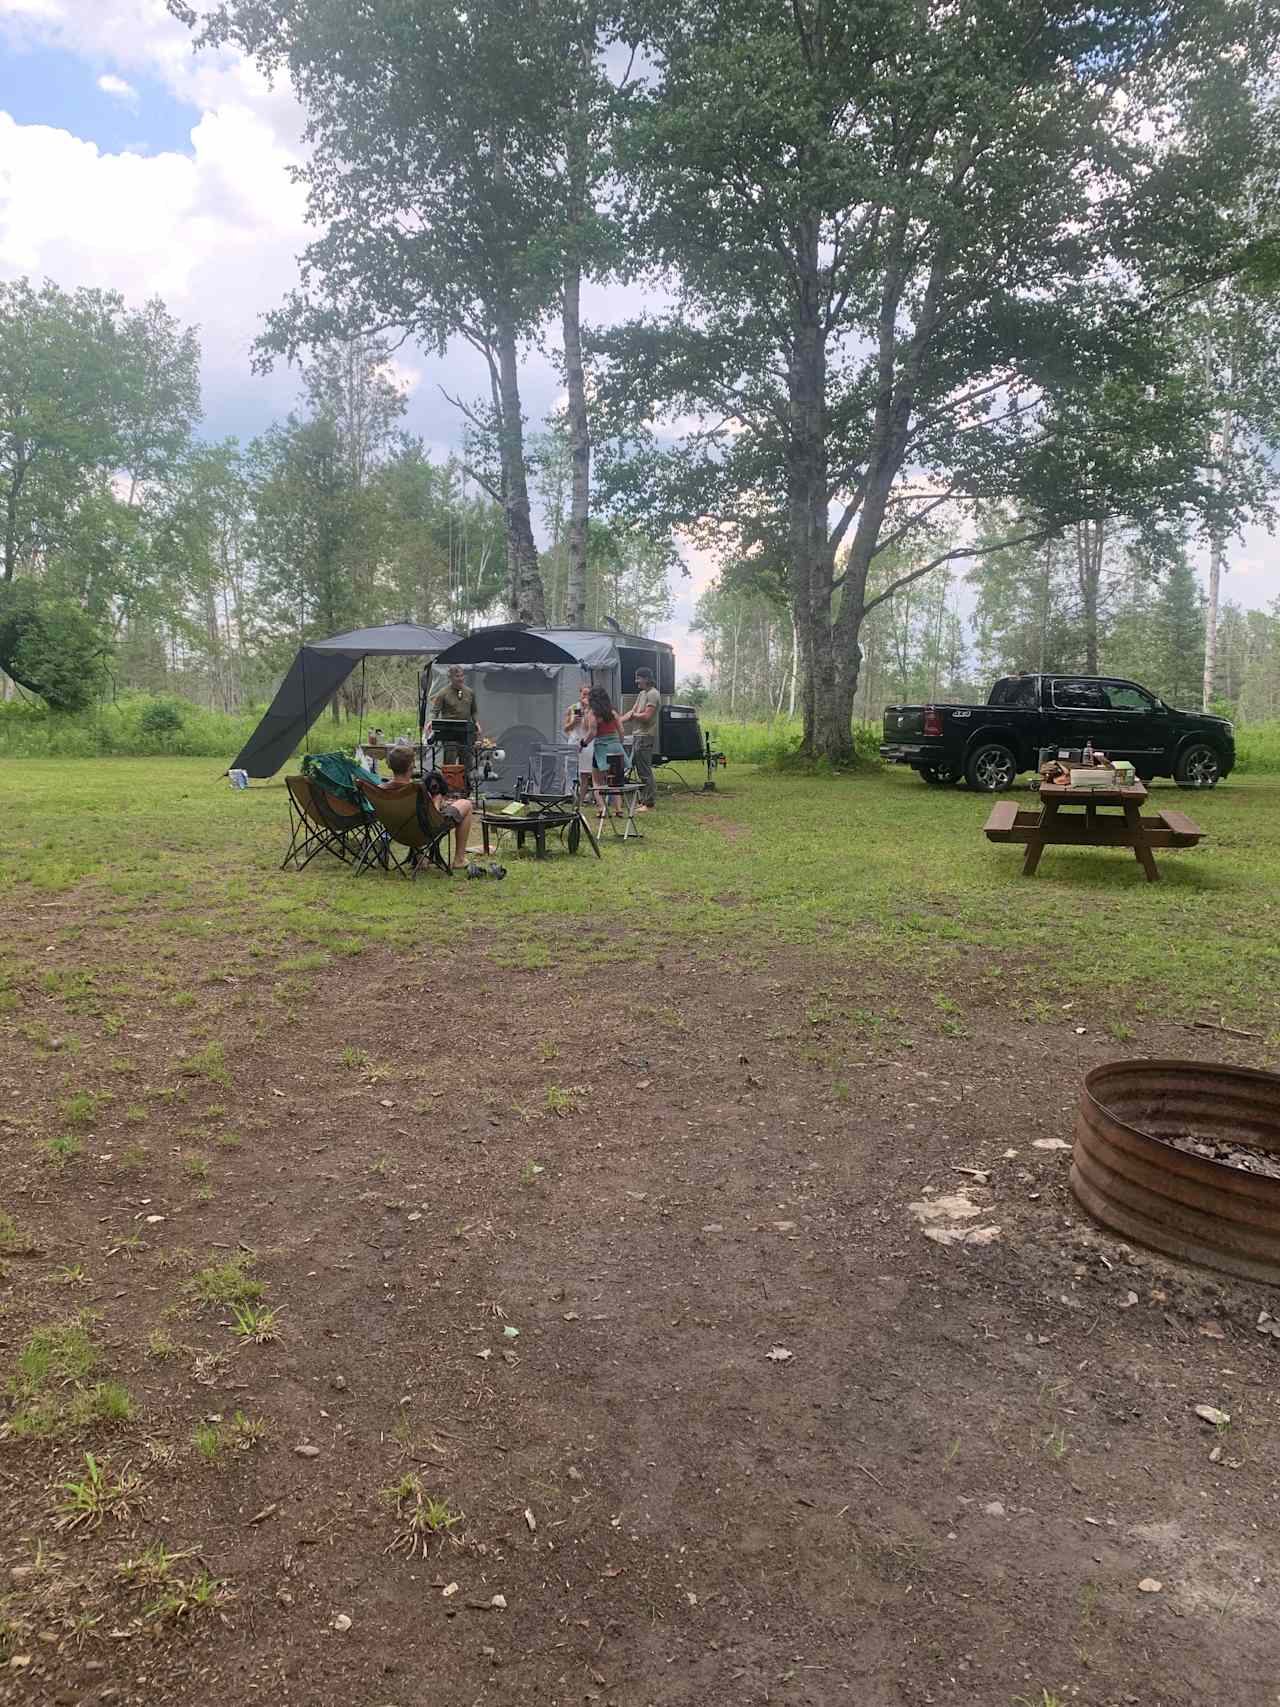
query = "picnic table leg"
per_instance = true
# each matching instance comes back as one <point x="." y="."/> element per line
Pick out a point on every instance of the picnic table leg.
<point x="1037" y="838"/>
<point x="1141" y="847"/>
<point x="539" y="841"/>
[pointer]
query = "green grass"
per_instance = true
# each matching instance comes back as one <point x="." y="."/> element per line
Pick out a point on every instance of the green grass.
<point x="874" y="867"/>
<point x="226" y="1283"/>
<point x="47" y="1390"/>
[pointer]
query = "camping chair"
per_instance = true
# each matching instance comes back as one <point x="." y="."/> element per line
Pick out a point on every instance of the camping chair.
<point x="406" y="816"/>
<point x="321" y="823"/>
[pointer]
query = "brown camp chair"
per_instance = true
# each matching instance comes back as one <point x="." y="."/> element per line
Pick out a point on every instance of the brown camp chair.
<point x="321" y="823"/>
<point x="407" y="817"/>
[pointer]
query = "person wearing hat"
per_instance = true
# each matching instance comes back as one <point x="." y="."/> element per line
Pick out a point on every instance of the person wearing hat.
<point x="643" y="717"/>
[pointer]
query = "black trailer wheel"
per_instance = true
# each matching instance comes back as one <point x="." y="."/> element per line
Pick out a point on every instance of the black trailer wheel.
<point x="574" y="837"/>
<point x="991" y="768"/>
<point x="940" y="776"/>
<point x="1198" y="766"/>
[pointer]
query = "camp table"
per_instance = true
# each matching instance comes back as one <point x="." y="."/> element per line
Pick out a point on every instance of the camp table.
<point x="554" y="812"/>
<point x="628" y="797"/>
<point x="1051" y="826"/>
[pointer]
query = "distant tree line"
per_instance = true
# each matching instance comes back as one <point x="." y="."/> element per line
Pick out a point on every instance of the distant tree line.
<point x="136" y="555"/>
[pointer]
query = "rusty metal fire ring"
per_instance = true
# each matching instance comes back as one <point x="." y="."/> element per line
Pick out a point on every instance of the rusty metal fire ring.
<point x="1129" y="1176"/>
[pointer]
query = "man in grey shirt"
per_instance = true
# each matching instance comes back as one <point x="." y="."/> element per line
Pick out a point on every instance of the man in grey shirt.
<point x="643" y="718"/>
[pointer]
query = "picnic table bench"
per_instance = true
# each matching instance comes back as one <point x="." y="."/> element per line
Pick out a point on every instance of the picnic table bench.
<point x="1050" y="826"/>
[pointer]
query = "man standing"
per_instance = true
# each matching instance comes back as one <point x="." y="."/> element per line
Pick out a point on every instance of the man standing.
<point x="455" y="701"/>
<point x="643" y="716"/>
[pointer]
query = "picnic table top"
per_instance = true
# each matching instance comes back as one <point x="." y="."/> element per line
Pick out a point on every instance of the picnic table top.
<point x="1116" y="796"/>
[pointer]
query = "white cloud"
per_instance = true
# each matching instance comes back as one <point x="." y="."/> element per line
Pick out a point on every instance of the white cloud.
<point x="115" y="86"/>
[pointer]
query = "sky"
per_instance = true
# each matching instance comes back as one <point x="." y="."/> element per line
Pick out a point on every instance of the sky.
<point x="127" y="161"/>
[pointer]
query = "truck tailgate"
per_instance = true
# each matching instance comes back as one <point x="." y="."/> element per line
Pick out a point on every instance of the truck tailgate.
<point x="903" y="722"/>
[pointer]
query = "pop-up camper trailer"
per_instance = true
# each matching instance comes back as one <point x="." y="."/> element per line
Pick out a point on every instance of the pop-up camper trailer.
<point x="524" y="679"/>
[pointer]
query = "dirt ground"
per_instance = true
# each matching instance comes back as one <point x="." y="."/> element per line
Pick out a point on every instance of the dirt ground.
<point x="622" y="1267"/>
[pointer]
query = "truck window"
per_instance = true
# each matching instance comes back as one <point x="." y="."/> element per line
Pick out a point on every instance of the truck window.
<point x="1127" y="696"/>
<point x="1072" y="694"/>
<point x="1015" y="690"/>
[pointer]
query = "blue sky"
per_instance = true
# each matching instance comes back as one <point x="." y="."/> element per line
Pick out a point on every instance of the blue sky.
<point x="128" y="162"/>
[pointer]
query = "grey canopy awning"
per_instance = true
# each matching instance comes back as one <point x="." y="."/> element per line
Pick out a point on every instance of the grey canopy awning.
<point x="313" y="678"/>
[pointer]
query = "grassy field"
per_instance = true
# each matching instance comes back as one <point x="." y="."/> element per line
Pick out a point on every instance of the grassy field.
<point x="512" y="1282"/>
<point x="161" y="852"/>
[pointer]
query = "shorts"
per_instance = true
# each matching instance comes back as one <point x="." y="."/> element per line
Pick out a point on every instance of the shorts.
<point x="605" y="745"/>
<point x="450" y="810"/>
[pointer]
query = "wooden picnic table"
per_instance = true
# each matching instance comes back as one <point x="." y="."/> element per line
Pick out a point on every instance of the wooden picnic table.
<point x="1051" y="826"/>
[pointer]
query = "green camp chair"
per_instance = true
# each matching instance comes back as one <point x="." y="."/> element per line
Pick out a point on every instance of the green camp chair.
<point x="407" y="817"/>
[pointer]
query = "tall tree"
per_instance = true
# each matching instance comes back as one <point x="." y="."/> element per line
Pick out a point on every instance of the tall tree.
<point x="893" y="236"/>
<point x="441" y="172"/>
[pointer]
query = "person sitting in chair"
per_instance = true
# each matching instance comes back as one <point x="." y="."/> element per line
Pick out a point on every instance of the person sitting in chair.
<point x="457" y="811"/>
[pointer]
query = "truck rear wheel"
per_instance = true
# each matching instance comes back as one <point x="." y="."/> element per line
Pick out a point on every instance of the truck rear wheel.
<point x="940" y="776"/>
<point x="991" y="768"/>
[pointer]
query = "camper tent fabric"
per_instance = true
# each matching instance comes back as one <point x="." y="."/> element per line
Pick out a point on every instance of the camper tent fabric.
<point x="525" y="677"/>
<point x="313" y="678"/>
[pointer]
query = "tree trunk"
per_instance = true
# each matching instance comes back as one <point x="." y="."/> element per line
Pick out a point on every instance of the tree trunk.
<point x="795" y="666"/>
<point x="580" y="451"/>
<point x="1217" y="563"/>
<point x="526" y="579"/>
<point x="827" y="731"/>
<point x="1090" y="538"/>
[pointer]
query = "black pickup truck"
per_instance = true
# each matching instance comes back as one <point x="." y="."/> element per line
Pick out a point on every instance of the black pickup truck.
<point x="988" y="745"/>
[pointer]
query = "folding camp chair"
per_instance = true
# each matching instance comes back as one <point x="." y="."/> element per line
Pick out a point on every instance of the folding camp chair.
<point x="320" y="822"/>
<point x="408" y="817"/>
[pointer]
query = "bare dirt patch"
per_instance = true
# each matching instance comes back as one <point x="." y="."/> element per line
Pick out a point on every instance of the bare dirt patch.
<point x="618" y="1267"/>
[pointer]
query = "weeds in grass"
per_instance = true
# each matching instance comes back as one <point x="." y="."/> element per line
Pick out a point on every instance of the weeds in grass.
<point x="561" y="1101"/>
<point x="129" y="1246"/>
<point x="548" y="1050"/>
<point x="244" y="1432"/>
<point x="80" y="1107"/>
<point x="153" y="1568"/>
<point x="188" y="1597"/>
<point x="95" y="1495"/>
<point x="13" y="1242"/>
<point x="228" y="1140"/>
<point x="60" y="1150"/>
<point x="1120" y="1031"/>
<point x="182" y="999"/>
<point x="1046" y="1698"/>
<point x="1055" y="1443"/>
<point x="353" y="1057"/>
<point x="530" y="1171"/>
<point x="841" y="1090"/>
<point x="226" y="1283"/>
<point x="161" y="1344"/>
<point x="208" y="1063"/>
<point x="951" y="1454"/>
<point x="255" y="1323"/>
<point x="208" y="1441"/>
<point x="122" y="1064"/>
<point x="315" y="961"/>
<point x="73" y="1274"/>
<point x="196" y="1165"/>
<point x="421" y="1515"/>
<point x="135" y="1113"/>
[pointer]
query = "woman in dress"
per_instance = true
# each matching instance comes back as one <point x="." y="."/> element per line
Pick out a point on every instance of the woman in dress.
<point x="579" y="727"/>
<point x="607" y="743"/>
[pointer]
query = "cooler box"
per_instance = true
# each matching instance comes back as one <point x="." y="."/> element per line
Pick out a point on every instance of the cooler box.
<point x="679" y="733"/>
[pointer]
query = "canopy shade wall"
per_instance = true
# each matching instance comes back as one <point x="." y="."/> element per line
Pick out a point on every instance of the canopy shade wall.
<point x="313" y="678"/>
<point x="525" y="678"/>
